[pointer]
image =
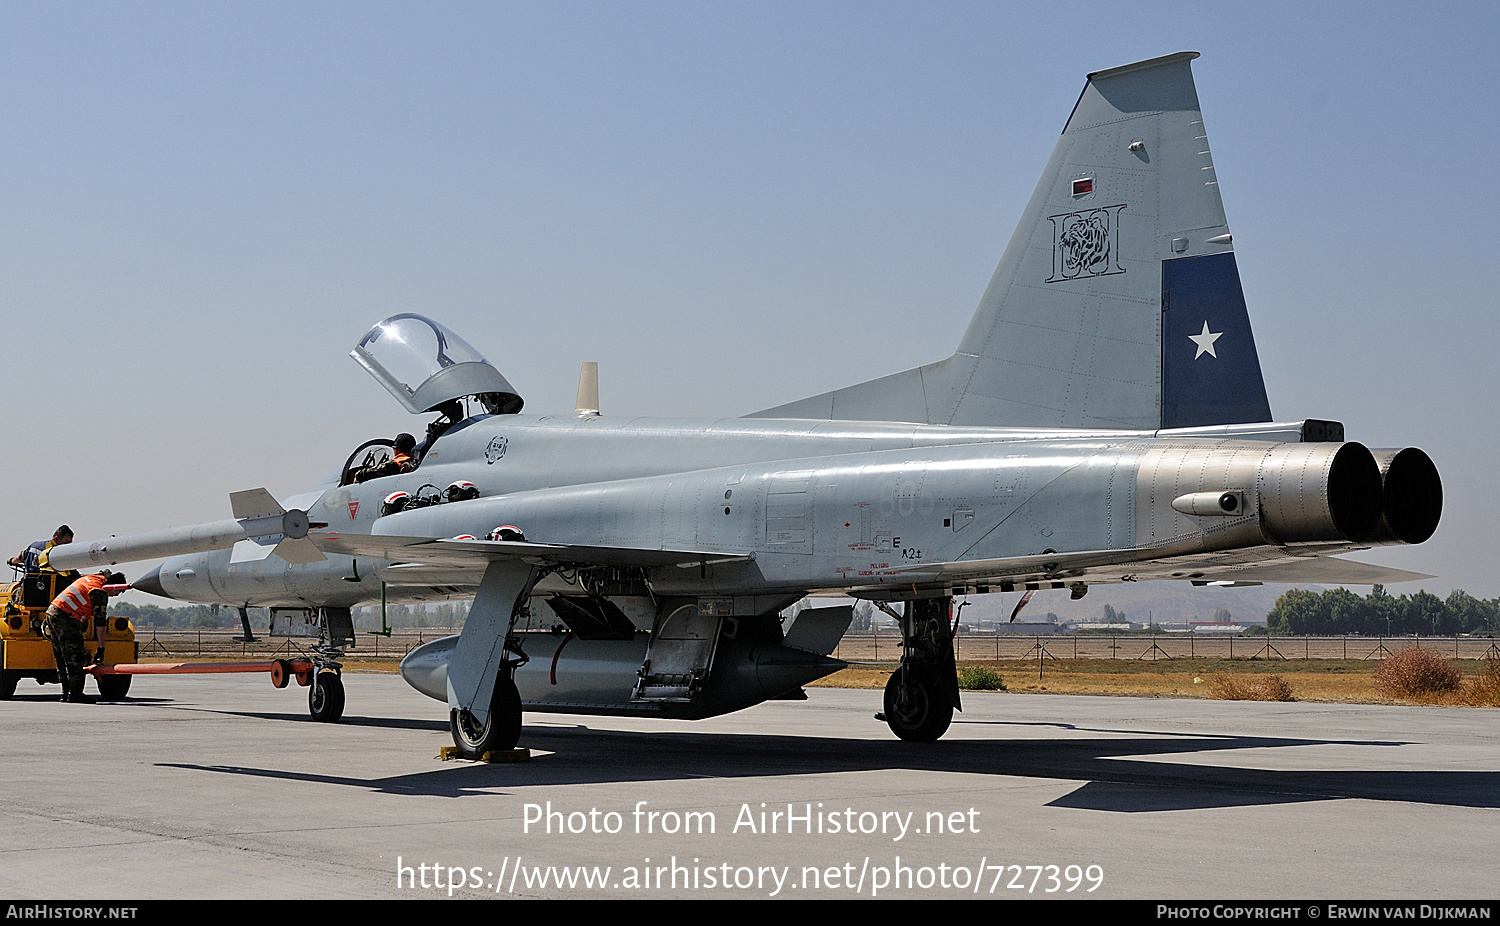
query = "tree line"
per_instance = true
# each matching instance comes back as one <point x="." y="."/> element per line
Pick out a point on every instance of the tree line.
<point x="188" y="617"/>
<point x="1340" y="611"/>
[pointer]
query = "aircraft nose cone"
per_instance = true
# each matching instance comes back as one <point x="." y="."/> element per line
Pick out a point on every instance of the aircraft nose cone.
<point x="151" y="582"/>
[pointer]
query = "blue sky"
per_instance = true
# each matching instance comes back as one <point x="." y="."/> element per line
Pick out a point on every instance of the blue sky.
<point x="727" y="205"/>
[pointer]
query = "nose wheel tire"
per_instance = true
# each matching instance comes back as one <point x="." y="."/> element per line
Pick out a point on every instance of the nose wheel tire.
<point x="500" y="731"/>
<point x="325" y="697"/>
<point x="917" y="709"/>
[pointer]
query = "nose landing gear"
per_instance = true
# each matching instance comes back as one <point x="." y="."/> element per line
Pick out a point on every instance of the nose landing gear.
<point x="922" y="693"/>
<point x="325" y="697"/>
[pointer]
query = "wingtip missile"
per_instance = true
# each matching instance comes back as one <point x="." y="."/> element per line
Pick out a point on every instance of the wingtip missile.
<point x="258" y="518"/>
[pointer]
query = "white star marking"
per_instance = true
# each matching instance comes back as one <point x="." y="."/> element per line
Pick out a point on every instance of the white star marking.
<point x="1205" y="342"/>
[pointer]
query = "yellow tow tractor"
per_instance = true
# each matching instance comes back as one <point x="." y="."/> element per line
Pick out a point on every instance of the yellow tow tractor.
<point x="25" y="653"/>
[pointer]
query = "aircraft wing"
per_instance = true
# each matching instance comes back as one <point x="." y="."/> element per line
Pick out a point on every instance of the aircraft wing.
<point x="1319" y="570"/>
<point x="471" y="553"/>
<point x="1059" y="569"/>
<point x="1056" y="569"/>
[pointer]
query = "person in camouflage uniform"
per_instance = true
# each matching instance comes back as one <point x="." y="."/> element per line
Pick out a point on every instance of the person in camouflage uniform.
<point x="85" y="599"/>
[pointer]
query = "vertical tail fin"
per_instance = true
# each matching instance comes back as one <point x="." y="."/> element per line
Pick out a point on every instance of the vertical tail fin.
<point x="1117" y="302"/>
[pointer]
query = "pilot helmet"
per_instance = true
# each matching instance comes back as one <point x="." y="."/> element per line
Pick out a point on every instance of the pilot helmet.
<point x="396" y="501"/>
<point x="462" y="491"/>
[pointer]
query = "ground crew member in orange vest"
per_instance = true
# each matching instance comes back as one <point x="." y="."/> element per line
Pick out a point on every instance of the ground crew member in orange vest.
<point x="84" y="600"/>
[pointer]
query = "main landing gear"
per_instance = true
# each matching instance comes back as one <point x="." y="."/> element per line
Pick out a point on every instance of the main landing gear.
<point x="503" y="598"/>
<point x="916" y="707"/>
<point x="500" y="731"/>
<point x="923" y="692"/>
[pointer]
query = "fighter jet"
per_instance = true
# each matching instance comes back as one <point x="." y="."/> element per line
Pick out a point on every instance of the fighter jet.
<point x="1103" y="419"/>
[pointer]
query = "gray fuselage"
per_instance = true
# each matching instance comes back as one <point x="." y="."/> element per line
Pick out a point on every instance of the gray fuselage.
<point x="818" y="505"/>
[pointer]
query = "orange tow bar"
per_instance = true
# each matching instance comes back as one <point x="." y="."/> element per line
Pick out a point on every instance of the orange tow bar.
<point x="281" y="670"/>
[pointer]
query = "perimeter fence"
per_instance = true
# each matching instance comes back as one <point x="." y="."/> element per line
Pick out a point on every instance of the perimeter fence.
<point x="973" y="646"/>
<point x="978" y="646"/>
<point x="226" y="644"/>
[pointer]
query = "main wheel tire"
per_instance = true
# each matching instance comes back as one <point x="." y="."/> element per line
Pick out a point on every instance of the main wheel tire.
<point x="500" y="731"/>
<point x="325" y="697"/>
<point x="8" y="679"/>
<point x="916" y="707"/>
<point x="113" y="687"/>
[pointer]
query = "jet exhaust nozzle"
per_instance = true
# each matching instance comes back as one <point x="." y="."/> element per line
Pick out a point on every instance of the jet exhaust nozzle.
<point x="1320" y="492"/>
<point x="1412" y="496"/>
<point x="1311" y="492"/>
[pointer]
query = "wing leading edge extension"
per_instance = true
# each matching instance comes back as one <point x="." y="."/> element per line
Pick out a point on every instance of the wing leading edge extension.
<point x="472" y="553"/>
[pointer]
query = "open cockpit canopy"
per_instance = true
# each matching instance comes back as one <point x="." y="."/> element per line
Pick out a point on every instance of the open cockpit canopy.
<point x="424" y="364"/>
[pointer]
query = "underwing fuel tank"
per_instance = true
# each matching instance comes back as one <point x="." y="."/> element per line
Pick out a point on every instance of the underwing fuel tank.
<point x="569" y="675"/>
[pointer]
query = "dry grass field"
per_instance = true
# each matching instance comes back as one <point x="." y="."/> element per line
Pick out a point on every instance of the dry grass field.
<point x="1139" y="666"/>
<point x="1309" y="680"/>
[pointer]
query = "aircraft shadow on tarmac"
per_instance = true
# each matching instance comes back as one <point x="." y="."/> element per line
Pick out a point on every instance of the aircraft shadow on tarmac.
<point x="582" y="755"/>
<point x="50" y="697"/>
<point x="381" y="723"/>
